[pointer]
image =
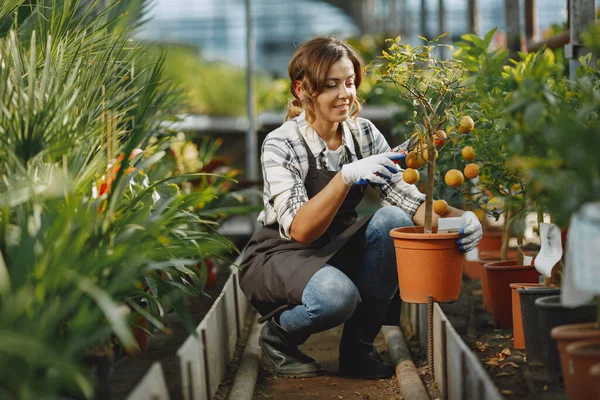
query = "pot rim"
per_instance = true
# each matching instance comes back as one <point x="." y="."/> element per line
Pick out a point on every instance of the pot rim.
<point x="584" y="348"/>
<point x="580" y="331"/>
<point x="549" y="291"/>
<point x="412" y="232"/>
<point x="494" y="255"/>
<point x="505" y="265"/>
<point x="527" y="285"/>
<point x="549" y="302"/>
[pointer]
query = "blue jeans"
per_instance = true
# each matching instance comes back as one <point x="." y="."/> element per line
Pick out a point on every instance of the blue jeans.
<point x="330" y="296"/>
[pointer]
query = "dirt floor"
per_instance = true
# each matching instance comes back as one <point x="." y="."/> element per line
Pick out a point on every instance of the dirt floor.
<point x="330" y="385"/>
<point x="506" y="366"/>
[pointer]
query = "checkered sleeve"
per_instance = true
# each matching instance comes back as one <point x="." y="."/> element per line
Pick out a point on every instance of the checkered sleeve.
<point x="395" y="192"/>
<point x="284" y="188"/>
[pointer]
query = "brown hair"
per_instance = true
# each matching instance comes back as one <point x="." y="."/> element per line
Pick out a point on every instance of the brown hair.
<point x="309" y="65"/>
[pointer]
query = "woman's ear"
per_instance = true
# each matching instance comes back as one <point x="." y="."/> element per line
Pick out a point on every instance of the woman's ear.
<point x="298" y="89"/>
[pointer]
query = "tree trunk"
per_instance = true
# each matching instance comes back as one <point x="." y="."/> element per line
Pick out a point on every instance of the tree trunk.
<point x="430" y="182"/>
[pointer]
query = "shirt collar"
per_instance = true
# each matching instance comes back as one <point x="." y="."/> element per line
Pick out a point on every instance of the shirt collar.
<point x="315" y="143"/>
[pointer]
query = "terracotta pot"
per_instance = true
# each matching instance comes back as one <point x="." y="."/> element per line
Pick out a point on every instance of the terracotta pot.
<point x="498" y="277"/>
<point x="489" y="256"/>
<point x="140" y="331"/>
<point x="583" y="355"/>
<point x="490" y="241"/>
<point x="519" y="338"/>
<point x="568" y="334"/>
<point x="595" y="375"/>
<point x="428" y="264"/>
<point x="472" y="269"/>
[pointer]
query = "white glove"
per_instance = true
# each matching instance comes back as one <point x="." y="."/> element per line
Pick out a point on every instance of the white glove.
<point x="374" y="169"/>
<point x="471" y="233"/>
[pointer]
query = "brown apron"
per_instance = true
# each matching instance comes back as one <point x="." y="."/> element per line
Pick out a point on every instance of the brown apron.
<point x="275" y="271"/>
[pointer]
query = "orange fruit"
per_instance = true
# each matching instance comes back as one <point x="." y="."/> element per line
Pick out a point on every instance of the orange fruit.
<point x="414" y="160"/>
<point x="480" y="214"/>
<point x="426" y="154"/>
<point x="440" y="207"/>
<point x="439" y="137"/>
<point x="471" y="171"/>
<point x="410" y="176"/>
<point x="468" y="153"/>
<point x="466" y="124"/>
<point x="454" y="178"/>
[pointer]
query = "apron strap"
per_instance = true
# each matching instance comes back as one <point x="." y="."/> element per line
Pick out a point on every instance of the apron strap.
<point x="312" y="162"/>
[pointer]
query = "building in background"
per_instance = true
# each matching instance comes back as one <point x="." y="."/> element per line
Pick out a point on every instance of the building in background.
<point x="217" y="27"/>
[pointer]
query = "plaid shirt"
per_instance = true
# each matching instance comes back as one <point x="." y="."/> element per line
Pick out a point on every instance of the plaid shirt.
<point x="285" y="165"/>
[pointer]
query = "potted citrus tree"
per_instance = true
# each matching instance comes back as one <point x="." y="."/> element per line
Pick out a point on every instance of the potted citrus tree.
<point x="566" y="177"/>
<point x="435" y="87"/>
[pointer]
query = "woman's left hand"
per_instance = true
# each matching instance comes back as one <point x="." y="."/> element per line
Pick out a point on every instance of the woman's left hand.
<point x="471" y="233"/>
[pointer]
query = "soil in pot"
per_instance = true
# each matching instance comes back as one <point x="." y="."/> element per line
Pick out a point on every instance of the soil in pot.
<point x="499" y="275"/>
<point x="552" y="313"/>
<point x="583" y="355"/>
<point x="531" y="322"/>
<point x="567" y="334"/>
<point x="435" y="266"/>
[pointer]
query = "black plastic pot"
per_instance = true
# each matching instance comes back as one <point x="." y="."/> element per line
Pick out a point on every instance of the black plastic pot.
<point x="531" y="322"/>
<point x="551" y="314"/>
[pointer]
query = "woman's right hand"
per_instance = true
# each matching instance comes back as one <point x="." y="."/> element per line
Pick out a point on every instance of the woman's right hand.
<point x="374" y="169"/>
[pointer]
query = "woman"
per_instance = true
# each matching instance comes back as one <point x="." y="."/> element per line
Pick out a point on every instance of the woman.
<point x="313" y="265"/>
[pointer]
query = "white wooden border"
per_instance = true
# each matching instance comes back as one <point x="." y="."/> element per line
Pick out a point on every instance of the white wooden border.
<point x="217" y="331"/>
<point x="152" y="386"/>
<point x="243" y="305"/>
<point x="192" y="369"/>
<point x="456" y="366"/>
<point x="204" y="357"/>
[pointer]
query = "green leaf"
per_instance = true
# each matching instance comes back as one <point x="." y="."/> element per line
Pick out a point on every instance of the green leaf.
<point x="489" y="36"/>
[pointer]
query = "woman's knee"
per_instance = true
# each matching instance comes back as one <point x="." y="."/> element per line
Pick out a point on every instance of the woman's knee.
<point x="331" y="296"/>
<point x="390" y="217"/>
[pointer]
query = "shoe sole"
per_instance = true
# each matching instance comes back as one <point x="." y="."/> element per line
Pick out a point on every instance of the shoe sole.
<point x="291" y="376"/>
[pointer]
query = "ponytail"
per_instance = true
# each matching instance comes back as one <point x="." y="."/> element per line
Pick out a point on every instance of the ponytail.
<point x="293" y="108"/>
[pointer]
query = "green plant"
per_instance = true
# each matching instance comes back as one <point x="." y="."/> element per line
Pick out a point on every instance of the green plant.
<point x="435" y="89"/>
<point x="502" y="187"/>
<point x="74" y="261"/>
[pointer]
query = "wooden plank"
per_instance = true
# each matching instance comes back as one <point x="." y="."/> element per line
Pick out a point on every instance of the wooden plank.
<point x="193" y="371"/>
<point x="453" y="378"/>
<point x="216" y="332"/>
<point x="414" y="318"/>
<point x="231" y="316"/>
<point x="466" y="376"/>
<point x="152" y="386"/>
<point x="423" y="328"/>
<point x="439" y="356"/>
<point x="243" y="305"/>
